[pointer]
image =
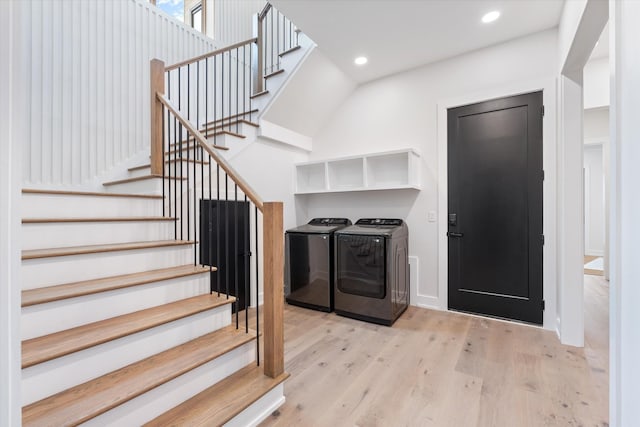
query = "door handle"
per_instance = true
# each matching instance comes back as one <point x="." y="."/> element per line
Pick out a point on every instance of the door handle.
<point x="454" y="234"/>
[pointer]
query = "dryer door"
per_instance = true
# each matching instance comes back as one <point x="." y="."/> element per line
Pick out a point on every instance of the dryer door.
<point x="361" y="267"/>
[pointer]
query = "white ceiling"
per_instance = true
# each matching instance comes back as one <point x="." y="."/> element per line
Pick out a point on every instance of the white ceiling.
<point x="397" y="35"/>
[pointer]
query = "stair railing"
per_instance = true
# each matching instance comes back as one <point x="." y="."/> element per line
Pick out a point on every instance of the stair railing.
<point x="193" y="103"/>
<point x="276" y="35"/>
<point x="207" y="177"/>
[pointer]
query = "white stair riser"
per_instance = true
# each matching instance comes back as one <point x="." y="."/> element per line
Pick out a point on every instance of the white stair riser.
<point x="146" y="171"/>
<point x="59" y="235"/>
<point x="37" y="273"/>
<point x="64" y="206"/>
<point x="159" y="400"/>
<point x="260" y="409"/>
<point x="51" y="377"/>
<point x="43" y="319"/>
<point x="146" y="186"/>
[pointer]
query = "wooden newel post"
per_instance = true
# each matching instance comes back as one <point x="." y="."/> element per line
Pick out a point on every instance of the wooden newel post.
<point x="157" y="86"/>
<point x="273" y="252"/>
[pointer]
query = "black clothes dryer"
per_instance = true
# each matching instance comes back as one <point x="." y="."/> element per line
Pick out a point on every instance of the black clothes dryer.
<point x="372" y="270"/>
<point x="309" y="263"/>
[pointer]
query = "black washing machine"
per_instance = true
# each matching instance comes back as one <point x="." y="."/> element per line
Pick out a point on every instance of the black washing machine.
<point x="372" y="270"/>
<point x="309" y="263"/>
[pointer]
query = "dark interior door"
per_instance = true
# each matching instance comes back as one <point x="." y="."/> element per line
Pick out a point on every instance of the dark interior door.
<point x="495" y="208"/>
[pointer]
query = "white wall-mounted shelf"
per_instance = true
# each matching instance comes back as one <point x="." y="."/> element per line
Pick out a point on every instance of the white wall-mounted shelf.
<point x="390" y="170"/>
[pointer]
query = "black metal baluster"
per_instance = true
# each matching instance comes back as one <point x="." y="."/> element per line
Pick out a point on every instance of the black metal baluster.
<point x="222" y="97"/>
<point x="175" y="175"/>
<point x="212" y="278"/>
<point x="226" y="232"/>
<point x="271" y="12"/>
<point x="244" y="81"/>
<point x="218" y="228"/>
<point x="236" y="255"/>
<point x="251" y="88"/>
<point x="215" y="98"/>
<point x="237" y="88"/>
<point x="180" y="154"/>
<point x="230" y="89"/>
<point x="189" y="152"/>
<point x="181" y="187"/>
<point x="168" y="138"/>
<point x="257" y="292"/>
<point x="163" y="172"/>
<point x="197" y="150"/>
<point x="247" y="271"/>
<point x="210" y="241"/>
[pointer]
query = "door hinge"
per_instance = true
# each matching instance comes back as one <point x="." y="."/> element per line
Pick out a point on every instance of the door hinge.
<point x="543" y="174"/>
<point x="543" y="305"/>
<point x="542" y="110"/>
<point x="542" y="239"/>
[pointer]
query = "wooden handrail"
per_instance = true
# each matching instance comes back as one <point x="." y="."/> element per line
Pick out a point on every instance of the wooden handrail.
<point x="202" y="141"/>
<point x="210" y="54"/>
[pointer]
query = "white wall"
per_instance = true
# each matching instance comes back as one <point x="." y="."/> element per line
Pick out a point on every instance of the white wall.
<point x="11" y="124"/>
<point x="89" y="83"/>
<point x="233" y="20"/>
<point x="594" y="232"/>
<point x="596" y="83"/>
<point x="267" y="167"/>
<point x="596" y="125"/>
<point x="625" y="211"/>
<point x="401" y="111"/>
<point x="311" y="96"/>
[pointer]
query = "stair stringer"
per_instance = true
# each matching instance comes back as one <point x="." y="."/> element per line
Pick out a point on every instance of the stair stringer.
<point x="291" y="63"/>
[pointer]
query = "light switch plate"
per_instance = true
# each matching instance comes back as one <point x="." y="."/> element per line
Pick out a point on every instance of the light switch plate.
<point x="431" y="216"/>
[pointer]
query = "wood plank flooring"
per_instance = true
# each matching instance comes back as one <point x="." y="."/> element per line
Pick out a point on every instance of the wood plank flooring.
<point x="440" y="369"/>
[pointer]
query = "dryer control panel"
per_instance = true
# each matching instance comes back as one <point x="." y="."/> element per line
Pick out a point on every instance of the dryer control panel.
<point x="380" y="221"/>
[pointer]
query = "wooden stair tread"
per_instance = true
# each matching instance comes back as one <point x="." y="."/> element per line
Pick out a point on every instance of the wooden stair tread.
<point x="188" y="147"/>
<point x="288" y="51"/>
<point x="140" y="178"/>
<point x="85" y="401"/>
<point x="230" y="123"/>
<point x="89" y="193"/>
<point x="92" y="249"/>
<point x="221" y="402"/>
<point x="48" y="347"/>
<point x="234" y="116"/>
<point x="148" y="165"/>
<point x="256" y="95"/>
<point x="275" y="73"/>
<point x="87" y="287"/>
<point x="98" y="219"/>
<point x="223" y="132"/>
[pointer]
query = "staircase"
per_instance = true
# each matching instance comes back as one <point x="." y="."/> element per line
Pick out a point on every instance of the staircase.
<point x="121" y="324"/>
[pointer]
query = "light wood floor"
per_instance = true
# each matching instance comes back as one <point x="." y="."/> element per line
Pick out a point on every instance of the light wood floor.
<point x="443" y="369"/>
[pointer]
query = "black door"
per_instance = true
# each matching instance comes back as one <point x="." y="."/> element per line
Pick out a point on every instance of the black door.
<point x="224" y="237"/>
<point x="495" y="208"/>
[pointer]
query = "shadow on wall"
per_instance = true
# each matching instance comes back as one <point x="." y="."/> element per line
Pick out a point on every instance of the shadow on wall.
<point x="355" y="205"/>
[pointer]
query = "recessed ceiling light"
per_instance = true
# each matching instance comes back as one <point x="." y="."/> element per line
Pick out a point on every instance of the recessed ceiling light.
<point x="360" y="60"/>
<point x="491" y="16"/>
